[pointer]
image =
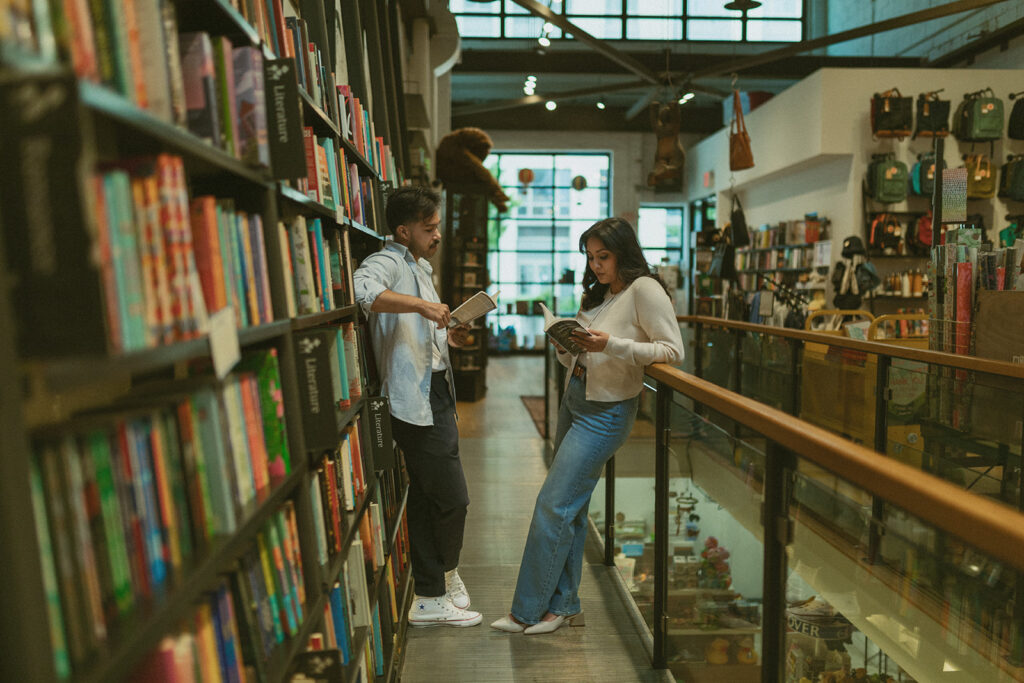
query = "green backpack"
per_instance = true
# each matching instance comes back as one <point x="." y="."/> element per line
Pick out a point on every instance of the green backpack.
<point x="979" y="116"/>
<point x="887" y="179"/>
<point x="981" y="177"/>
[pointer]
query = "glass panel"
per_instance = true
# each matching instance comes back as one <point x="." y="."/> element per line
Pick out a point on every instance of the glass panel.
<point x="610" y="29"/>
<point x="715" y="575"/>
<point x="571" y="260"/>
<point x="663" y="8"/>
<point x="511" y="164"/>
<point x="524" y="234"/>
<point x="593" y="167"/>
<point x="456" y="6"/>
<point x="510" y="7"/>
<point x="660" y="227"/>
<point x="719" y="357"/>
<point x="837" y="391"/>
<point x="793" y="9"/>
<point x="531" y="201"/>
<point x="612" y="7"/>
<point x="709" y="8"/>
<point x="775" y="31"/>
<point x="768" y="374"/>
<point x="654" y="29"/>
<point x="928" y="605"/>
<point x="523" y="27"/>
<point x="581" y="204"/>
<point x="479" y="27"/>
<point x="567" y="234"/>
<point x="710" y="29"/>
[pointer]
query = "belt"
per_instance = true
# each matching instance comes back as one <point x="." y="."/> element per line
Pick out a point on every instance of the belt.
<point x="579" y="371"/>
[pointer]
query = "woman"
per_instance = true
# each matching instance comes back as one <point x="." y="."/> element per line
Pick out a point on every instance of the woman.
<point x="631" y="324"/>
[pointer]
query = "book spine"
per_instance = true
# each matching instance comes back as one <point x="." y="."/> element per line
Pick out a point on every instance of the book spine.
<point x="319" y="529"/>
<point x="58" y="640"/>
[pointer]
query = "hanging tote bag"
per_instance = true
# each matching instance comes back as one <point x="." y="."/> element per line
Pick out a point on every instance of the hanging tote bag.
<point x="740" y="154"/>
<point x="723" y="258"/>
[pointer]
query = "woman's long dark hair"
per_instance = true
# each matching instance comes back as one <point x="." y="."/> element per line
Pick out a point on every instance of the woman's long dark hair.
<point x="618" y="237"/>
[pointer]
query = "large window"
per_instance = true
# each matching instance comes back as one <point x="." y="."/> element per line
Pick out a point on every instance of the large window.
<point x="533" y="248"/>
<point x="661" y="20"/>
<point x="660" y="232"/>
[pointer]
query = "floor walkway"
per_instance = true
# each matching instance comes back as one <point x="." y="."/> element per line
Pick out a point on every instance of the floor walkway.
<point x="502" y="454"/>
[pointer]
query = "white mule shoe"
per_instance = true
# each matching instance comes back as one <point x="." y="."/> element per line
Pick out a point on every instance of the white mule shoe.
<point x="508" y="625"/>
<point x="555" y="624"/>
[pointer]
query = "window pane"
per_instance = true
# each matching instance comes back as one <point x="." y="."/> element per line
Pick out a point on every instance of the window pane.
<point x="654" y="256"/>
<point x="523" y="27"/>
<point x="774" y="31"/>
<point x="790" y="9"/>
<point x="511" y="164"/>
<point x="610" y="29"/>
<point x="530" y="202"/>
<point x="581" y="204"/>
<point x="510" y="7"/>
<point x="710" y="8"/>
<point x="479" y="27"/>
<point x="593" y="7"/>
<point x="660" y="227"/>
<point x="654" y="29"/>
<point x="713" y="29"/>
<point x="657" y="8"/>
<point x="457" y="6"/>
<point x="593" y="167"/>
<point x="567" y="234"/>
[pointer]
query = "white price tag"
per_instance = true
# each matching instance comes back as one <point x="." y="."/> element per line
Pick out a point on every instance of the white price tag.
<point x="224" y="341"/>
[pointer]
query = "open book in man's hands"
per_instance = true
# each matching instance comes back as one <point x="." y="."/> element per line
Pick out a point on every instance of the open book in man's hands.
<point x="561" y="330"/>
<point x="473" y="307"/>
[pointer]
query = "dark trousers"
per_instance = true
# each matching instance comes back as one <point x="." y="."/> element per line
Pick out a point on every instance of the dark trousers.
<point x="437" y="491"/>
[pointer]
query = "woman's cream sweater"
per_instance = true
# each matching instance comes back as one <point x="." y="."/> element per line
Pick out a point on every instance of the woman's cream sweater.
<point x="642" y="329"/>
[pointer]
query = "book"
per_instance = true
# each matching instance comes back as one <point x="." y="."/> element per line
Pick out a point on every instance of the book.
<point x="199" y="75"/>
<point x="561" y="330"/>
<point x="472" y="308"/>
<point x="252" y="133"/>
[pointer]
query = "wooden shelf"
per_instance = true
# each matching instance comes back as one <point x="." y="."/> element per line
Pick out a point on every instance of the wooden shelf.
<point x="138" y="634"/>
<point x="352" y="154"/>
<point x="360" y="228"/>
<point x="112" y="105"/>
<point x="775" y="248"/>
<point x="296" y="197"/>
<point x="304" y="322"/>
<point x="316" y="117"/>
<point x="711" y="631"/>
<point x="776" y="270"/>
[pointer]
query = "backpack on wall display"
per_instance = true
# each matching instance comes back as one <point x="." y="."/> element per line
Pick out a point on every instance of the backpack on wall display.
<point x="932" y="116"/>
<point x="919" y="241"/>
<point x="981" y="177"/>
<point x="1011" y="182"/>
<point x="892" y="115"/>
<point x="1015" y="127"/>
<point x="887" y="179"/>
<point x="885" y="235"/>
<point x="922" y="176"/>
<point x="979" y="116"/>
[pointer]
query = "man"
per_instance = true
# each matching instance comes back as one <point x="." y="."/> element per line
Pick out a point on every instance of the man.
<point x="408" y="325"/>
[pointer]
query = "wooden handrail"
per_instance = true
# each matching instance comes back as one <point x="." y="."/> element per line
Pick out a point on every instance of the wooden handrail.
<point x="994" y="367"/>
<point x="991" y="527"/>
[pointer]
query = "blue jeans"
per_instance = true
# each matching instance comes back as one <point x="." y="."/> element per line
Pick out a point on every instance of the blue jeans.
<point x="589" y="433"/>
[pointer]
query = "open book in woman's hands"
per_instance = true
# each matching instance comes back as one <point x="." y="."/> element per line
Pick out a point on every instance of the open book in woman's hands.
<point x="561" y="330"/>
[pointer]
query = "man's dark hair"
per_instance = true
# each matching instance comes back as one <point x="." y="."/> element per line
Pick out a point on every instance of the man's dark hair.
<point x="411" y="204"/>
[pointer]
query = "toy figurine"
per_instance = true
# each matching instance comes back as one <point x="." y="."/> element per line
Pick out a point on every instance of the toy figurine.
<point x="746" y="653"/>
<point x="717" y="651"/>
<point x="693" y="526"/>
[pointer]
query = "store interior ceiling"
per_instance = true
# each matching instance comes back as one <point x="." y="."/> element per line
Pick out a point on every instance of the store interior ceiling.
<point x="626" y="76"/>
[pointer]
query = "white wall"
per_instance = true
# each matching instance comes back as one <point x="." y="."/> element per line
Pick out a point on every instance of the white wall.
<point x="812" y="144"/>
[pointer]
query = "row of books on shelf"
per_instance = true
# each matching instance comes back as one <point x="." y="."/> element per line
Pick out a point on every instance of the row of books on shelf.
<point x="793" y="232"/>
<point x="774" y="259"/>
<point x="124" y="504"/>
<point x="333" y="180"/>
<point x="357" y="127"/>
<point x="167" y="263"/>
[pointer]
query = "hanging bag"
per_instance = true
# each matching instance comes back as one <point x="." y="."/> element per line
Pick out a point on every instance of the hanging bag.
<point x="981" y="179"/>
<point x="740" y="154"/>
<point x="922" y="177"/>
<point x="738" y="222"/>
<point x="932" y="116"/>
<point x="1011" y="181"/>
<point x="887" y="179"/>
<point x="723" y="258"/>
<point x="892" y="115"/>
<point x="1015" y="127"/>
<point x="981" y="116"/>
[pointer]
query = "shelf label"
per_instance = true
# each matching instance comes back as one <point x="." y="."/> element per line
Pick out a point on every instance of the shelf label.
<point x="284" y="120"/>
<point x="224" y="347"/>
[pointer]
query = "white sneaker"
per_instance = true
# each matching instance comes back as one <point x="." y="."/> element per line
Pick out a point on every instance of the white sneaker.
<point x="440" y="611"/>
<point x="455" y="589"/>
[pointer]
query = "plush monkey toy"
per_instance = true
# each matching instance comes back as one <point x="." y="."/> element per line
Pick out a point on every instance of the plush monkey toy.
<point x="460" y="158"/>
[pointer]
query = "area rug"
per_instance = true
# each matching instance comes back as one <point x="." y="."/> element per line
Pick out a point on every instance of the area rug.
<point x="535" y="407"/>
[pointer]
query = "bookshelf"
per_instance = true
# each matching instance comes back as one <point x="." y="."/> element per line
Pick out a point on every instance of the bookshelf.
<point x="166" y="257"/>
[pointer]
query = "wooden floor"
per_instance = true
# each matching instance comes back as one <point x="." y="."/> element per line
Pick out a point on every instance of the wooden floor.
<point x="502" y="455"/>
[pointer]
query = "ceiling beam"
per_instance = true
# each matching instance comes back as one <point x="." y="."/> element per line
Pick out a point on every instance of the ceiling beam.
<point x="902" y="21"/>
<point x="620" y="58"/>
<point x="986" y="41"/>
<point x="469" y="109"/>
<point x="696" y="120"/>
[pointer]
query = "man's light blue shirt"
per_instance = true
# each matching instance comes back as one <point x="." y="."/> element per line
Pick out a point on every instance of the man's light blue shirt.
<point x="402" y="341"/>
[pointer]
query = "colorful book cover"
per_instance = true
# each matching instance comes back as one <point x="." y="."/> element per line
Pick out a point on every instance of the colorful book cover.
<point x="254" y="432"/>
<point x="248" y="260"/>
<point x="133" y="50"/>
<point x="303" y="266"/>
<point x="340" y="622"/>
<point x="288" y="268"/>
<point x="131" y="512"/>
<point x="207" y="656"/>
<point x="292" y="572"/>
<point x="229" y="258"/>
<point x="263" y="362"/>
<point x="234" y="228"/>
<point x="206" y="242"/>
<point x="259" y="263"/>
<point x="355" y="380"/>
<point x="199" y="75"/>
<point x="341" y="394"/>
<point x="314" y="255"/>
<point x="239" y="453"/>
<point x="138" y="434"/>
<point x="229" y="632"/>
<point x="378" y="646"/>
<point x="227" y="106"/>
<point x="323" y="273"/>
<point x="274" y="596"/>
<point x="145" y="260"/>
<point x="347" y="487"/>
<point x="194" y="469"/>
<point x="269" y="635"/>
<point x="209" y="427"/>
<point x="58" y="641"/>
<point x="101" y="456"/>
<point x="293" y="532"/>
<point x="111" y="295"/>
<point x="175" y="469"/>
<point x="172" y="58"/>
<point x="336" y="531"/>
<point x="312" y="168"/>
<point x="319" y="531"/>
<point x="154" y="70"/>
<point x="126" y="262"/>
<point x="168" y="521"/>
<point x="285" y="589"/>
<point x="254" y="146"/>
